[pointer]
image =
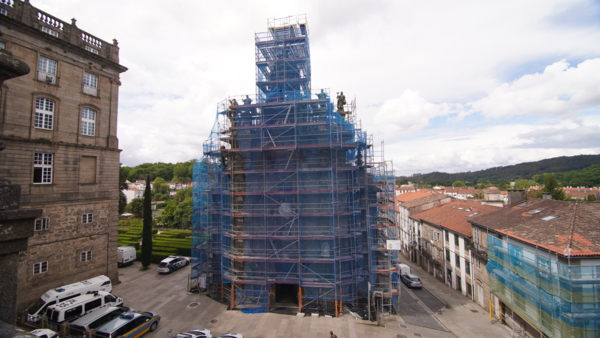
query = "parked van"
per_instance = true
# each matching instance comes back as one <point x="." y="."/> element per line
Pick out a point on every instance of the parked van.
<point x="125" y="255"/>
<point x="95" y="319"/>
<point x="129" y="325"/>
<point x="403" y="269"/>
<point x="74" y="308"/>
<point x="62" y="293"/>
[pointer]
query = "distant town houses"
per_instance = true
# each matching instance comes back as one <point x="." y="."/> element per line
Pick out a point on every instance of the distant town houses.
<point x="136" y="189"/>
<point x="533" y="262"/>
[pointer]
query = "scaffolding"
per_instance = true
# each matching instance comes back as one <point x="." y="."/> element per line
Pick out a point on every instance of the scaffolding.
<point x="290" y="205"/>
<point x="559" y="299"/>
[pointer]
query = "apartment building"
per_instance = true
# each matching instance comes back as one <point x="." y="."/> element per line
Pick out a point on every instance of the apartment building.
<point x="541" y="261"/>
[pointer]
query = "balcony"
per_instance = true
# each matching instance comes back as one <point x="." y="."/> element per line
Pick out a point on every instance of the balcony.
<point x="47" y="77"/>
<point x="89" y="90"/>
<point x="480" y="251"/>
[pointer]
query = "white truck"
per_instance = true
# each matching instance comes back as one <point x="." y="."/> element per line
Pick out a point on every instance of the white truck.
<point x="403" y="269"/>
<point x="125" y="255"/>
<point x="62" y="293"/>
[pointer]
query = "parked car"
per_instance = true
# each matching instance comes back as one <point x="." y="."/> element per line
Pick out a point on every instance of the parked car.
<point x="44" y="333"/>
<point x="412" y="281"/>
<point x="172" y="263"/>
<point x="95" y="319"/>
<point x="232" y="335"/>
<point x="129" y="325"/>
<point x="195" y="333"/>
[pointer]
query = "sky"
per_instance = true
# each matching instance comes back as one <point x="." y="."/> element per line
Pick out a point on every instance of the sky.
<point x="448" y="86"/>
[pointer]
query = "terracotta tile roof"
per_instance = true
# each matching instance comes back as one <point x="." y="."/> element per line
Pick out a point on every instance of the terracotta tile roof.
<point x="410" y="196"/>
<point x="575" y="232"/>
<point x="455" y="216"/>
<point x="425" y="199"/>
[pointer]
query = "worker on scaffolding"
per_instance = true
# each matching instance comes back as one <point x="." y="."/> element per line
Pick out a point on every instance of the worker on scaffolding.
<point x="231" y="111"/>
<point x="340" y="104"/>
<point x="247" y="100"/>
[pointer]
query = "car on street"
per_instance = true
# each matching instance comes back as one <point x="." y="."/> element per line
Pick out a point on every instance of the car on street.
<point x="44" y="333"/>
<point x="412" y="280"/>
<point x="172" y="263"/>
<point x="195" y="333"/>
<point x="129" y="325"/>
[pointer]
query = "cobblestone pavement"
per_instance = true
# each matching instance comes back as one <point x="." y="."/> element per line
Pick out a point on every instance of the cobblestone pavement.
<point x="180" y="311"/>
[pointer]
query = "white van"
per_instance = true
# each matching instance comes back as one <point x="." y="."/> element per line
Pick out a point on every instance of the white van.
<point x="95" y="319"/>
<point x="74" y="308"/>
<point x="62" y="293"/>
<point x="125" y="255"/>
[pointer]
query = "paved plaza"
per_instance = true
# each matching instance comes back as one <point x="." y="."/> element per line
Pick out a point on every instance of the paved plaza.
<point x="180" y="311"/>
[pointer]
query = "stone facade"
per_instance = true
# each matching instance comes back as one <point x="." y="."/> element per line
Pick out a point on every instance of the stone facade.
<point x="66" y="107"/>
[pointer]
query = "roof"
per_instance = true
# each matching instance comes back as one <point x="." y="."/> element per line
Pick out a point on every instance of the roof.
<point x="455" y="216"/>
<point x="426" y="199"/>
<point x="411" y="196"/>
<point x="575" y="232"/>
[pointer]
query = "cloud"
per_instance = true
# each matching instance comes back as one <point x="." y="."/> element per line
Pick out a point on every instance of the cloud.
<point x="560" y="91"/>
<point x="408" y="113"/>
<point x="573" y="137"/>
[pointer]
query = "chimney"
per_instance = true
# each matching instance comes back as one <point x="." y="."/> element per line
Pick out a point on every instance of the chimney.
<point x="515" y="197"/>
<point x="547" y="195"/>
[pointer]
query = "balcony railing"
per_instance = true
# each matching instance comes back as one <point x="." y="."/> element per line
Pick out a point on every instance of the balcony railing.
<point x="90" y="90"/>
<point x="47" y="77"/>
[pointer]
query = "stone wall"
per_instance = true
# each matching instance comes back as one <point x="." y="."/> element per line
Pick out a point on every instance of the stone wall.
<point x="85" y="170"/>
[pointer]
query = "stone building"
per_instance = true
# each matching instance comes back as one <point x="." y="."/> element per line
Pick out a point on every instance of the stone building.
<point x="59" y="125"/>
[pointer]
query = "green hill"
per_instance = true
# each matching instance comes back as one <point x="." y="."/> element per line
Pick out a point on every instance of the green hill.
<point x="569" y="165"/>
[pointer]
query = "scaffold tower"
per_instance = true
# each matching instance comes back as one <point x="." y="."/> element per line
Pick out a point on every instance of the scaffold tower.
<point x="291" y="207"/>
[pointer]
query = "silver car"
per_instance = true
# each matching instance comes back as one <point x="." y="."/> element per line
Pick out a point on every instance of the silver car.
<point x="412" y="281"/>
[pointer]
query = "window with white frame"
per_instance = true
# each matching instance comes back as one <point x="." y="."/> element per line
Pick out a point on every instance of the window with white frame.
<point x="44" y="113"/>
<point x="88" y="122"/>
<point x="42" y="168"/>
<point x="86" y="218"/>
<point x="3" y="11"/>
<point x="40" y="267"/>
<point x="47" y="70"/>
<point x="2" y="45"/>
<point x="86" y="256"/>
<point x="478" y="263"/>
<point x="90" y="84"/>
<point x="42" y="224"/>
<point x="49" y="31"/>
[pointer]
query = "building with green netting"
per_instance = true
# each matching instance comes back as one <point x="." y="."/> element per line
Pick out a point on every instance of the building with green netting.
<point x="543" y="266"/>
<point x="291" y="201"/>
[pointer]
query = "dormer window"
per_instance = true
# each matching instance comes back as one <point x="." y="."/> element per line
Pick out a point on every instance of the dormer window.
<point x="549" y="218"/>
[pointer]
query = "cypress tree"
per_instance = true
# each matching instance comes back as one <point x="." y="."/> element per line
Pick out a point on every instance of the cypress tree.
<point x="147" y="230"/>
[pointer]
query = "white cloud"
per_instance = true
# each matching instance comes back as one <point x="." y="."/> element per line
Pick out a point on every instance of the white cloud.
<point x="408" y="113"/>
<point x="559" y="90"/>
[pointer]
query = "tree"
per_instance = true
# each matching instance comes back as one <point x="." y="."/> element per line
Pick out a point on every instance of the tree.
<point x="136" y="207"/>
<point x="591" y="198"/>
<point x="147" y="230"/>
<point x="458" y="184"/>
<point x="178" y="212"/>
<point x="551" y="185"/>
<point x="160" y="191"/>
<point x="524" y="184"/>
